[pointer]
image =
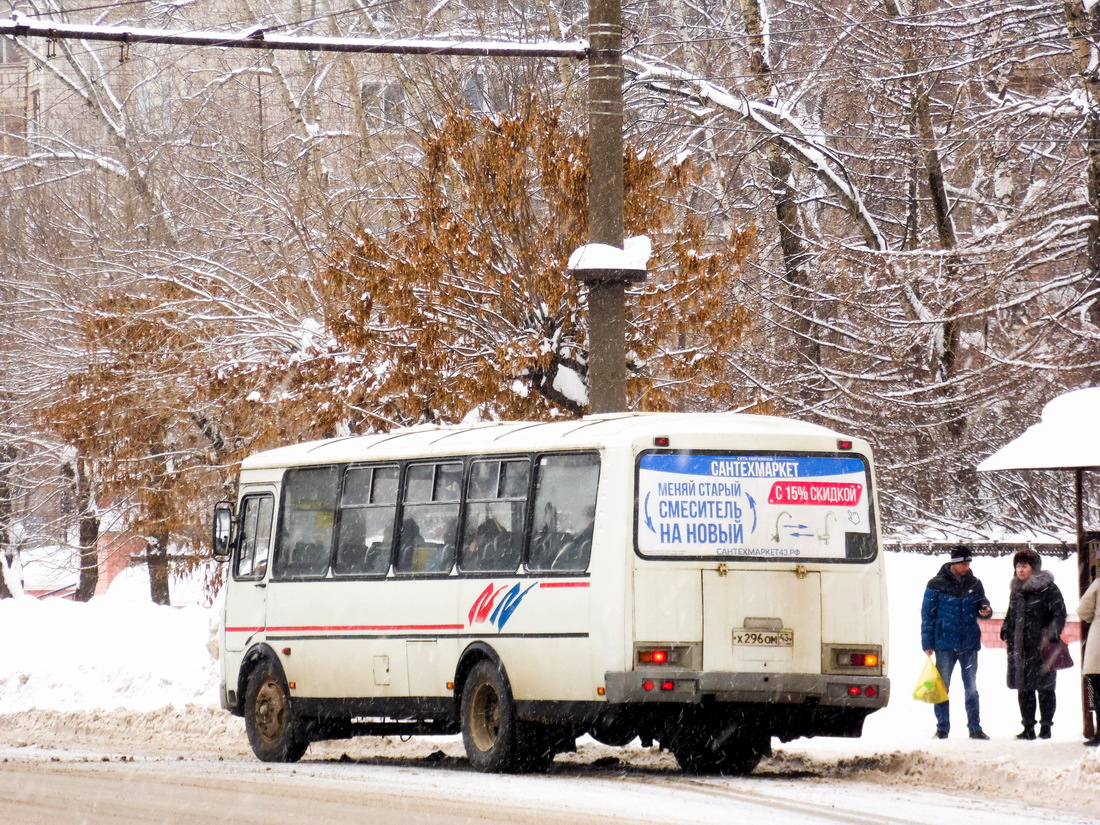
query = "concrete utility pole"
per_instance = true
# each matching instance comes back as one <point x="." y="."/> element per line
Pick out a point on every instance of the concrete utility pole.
<point x="606" y="288"/>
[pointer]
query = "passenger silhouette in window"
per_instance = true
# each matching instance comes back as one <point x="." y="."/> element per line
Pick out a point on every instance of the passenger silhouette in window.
<point x="577" y="547"/>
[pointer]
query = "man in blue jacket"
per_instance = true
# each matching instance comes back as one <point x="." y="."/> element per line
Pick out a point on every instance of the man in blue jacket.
<point x="953" y="601"/>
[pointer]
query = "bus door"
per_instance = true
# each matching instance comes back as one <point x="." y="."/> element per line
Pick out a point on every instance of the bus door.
<point x="761" y="620"/>
<point x="246" y="600"/>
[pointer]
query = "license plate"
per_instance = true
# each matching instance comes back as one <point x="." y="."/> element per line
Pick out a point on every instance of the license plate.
<point x="763" y="638"/>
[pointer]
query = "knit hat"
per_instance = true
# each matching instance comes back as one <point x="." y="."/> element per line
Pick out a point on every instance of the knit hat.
<point x="1028" y="556"/>
<point x="960" y="553"/>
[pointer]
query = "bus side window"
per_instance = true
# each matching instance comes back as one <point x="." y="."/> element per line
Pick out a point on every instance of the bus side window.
<point x="564" y="512"/>
<point x="429" y="518"/>
<point x="368" y="505"/>
<point x="306" y="530"/>
<point x="255" y="541"/>
<point x="495" y="506"/>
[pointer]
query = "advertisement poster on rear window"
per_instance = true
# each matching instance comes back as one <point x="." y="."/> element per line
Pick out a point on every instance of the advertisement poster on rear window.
<point x="753" y="506"/>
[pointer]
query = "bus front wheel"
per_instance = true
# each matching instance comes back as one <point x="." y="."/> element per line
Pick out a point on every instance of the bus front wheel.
<point x="273" y="731"/>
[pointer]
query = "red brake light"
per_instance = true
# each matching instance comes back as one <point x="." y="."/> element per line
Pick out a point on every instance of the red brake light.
<point x="647" y="685"/>
<point x="657" y="656"/>
<point x="668" y="685"/>
<point x="854" y="690"/>
<point x="858" y="659"/>
<point x="843" y="444"/>
<point x="870" y="691"/>
<point x="660" y="441"/>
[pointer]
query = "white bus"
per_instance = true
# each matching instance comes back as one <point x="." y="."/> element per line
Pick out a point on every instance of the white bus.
<point x="706" y="581"/>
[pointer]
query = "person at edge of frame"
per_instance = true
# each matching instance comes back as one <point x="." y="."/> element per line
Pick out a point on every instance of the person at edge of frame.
<point x="1090" y="658"/>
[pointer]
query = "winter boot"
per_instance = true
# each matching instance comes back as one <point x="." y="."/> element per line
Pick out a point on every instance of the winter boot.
<point x="1044" y="731"/>
<point x="1027" y="733"/>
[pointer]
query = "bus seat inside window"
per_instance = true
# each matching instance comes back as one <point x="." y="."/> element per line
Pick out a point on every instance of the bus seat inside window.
<point x="306" y="531"/>
<point x="429" y="519"/>
<point x="565" y="504"/>
<point x="496" y="504"/>
<point x="368" y="508"/>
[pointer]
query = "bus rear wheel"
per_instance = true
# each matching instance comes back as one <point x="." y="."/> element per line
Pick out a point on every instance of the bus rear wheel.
<point x="273" y="731"/>
<point x="736" y="755"/>
<point x="494" y="737"/>
<point x="488" y="716"/>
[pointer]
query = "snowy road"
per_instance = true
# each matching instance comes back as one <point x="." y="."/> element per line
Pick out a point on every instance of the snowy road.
<point x="47" y="787"/>
<point x="72" y="690"/>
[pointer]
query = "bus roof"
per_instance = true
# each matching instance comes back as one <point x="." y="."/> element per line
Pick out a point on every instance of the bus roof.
<point x="610" y="430"/>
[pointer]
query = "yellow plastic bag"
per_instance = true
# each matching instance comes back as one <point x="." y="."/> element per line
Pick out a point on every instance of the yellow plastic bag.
<point x="930" y="687"/>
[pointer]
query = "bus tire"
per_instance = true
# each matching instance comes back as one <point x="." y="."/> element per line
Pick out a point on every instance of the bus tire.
<point x="537" y="745"/>
<point x="737" y="756"/>
<point x="489" y="725"/>
<point x="274" y="732"/>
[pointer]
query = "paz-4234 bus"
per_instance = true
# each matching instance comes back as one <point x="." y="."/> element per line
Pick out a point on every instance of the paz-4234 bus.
<point x="704" y="581"/>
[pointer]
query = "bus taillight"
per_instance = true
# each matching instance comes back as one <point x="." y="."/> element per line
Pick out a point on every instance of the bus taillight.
<point x="849" y="659"/>
<point x="662" y="655"/>
<point x="863" y="660"/>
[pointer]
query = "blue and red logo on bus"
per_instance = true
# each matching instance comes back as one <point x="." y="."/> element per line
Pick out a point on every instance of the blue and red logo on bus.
<point x="486" y="607"/>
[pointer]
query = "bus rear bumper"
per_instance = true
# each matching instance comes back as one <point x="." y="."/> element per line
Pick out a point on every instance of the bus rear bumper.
<point x="660" y="686"/>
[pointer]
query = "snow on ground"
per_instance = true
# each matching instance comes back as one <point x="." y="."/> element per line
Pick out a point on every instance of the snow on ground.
<point x="116" y="651"/>
<point x="119" y="651"/>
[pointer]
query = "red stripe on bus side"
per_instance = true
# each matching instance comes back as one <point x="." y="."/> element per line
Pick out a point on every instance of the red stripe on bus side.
<point x="345" y="627"/>
<point x="563" y="584"/>
<point x="314" y="628"/>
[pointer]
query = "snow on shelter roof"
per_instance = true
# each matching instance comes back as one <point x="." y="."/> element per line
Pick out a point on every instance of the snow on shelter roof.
<point x="518" y="436"/>
<point x="1066" y="437"/>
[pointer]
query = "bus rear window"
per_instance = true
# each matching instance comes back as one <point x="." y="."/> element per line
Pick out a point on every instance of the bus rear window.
<point x="754" y="505"/>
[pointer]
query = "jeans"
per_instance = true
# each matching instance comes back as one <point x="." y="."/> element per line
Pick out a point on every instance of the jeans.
<point x="968" y="664"/>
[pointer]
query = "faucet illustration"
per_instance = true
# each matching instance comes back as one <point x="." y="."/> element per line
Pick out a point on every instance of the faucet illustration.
<point x="775" y="535"/>
<point x="825" y="535"/>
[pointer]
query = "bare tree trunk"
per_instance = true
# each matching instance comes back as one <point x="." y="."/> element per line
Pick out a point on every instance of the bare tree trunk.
<point x="156" y="548"/>
<point x="7" y="496"/>
<point x="88" y="534"/>
<point x="945" y="355"/>
<point x="795" y="255"/>
<point x="943" y="363"/>
<point x="1084" y="26"/>
<point x="156" y="556"/>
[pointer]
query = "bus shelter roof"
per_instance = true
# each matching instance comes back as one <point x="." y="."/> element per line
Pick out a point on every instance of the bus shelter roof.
<point x="1067" y="437"/>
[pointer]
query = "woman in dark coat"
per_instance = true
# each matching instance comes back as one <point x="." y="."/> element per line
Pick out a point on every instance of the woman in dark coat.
<point x="1036" y="613"/>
